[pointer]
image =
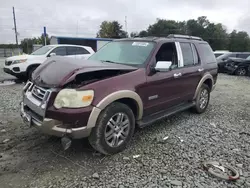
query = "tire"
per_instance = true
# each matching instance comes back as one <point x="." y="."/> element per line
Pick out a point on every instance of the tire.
<point x="241" y="72"/>
<point x="30" y="71"/>
<point x="199" y="108"/>
<point x="99" y="138"/>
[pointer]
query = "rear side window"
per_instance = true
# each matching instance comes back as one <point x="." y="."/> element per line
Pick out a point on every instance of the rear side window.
<point x="71" y="50"/>
<point x="60" y="51"/>
<point x="244" y="56"/>
<point x="82" y="51"/>
<point x="206" y="53"/>
<point x="187" y="53"/>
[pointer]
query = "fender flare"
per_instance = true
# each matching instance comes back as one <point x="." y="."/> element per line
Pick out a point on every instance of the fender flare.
<point x="111" y="98"/>
<point x="207" y="76"/>
<point x="120" y="95"/>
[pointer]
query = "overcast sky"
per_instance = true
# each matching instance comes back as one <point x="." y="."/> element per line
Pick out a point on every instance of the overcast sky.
<point x="83" y="17"/>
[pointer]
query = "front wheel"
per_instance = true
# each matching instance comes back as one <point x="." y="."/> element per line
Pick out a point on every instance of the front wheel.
<point x="114" y="129"/>
<point x="241" y="71"/>
<point x="30" y="71"/>
<point x="202" y="99"/>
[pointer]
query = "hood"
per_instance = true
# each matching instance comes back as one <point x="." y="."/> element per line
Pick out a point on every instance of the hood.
<point x="20" y="57"/>
<point x="58" y="71"/>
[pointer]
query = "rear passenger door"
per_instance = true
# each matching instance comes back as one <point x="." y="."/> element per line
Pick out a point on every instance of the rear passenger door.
<point x="191" y="70"/>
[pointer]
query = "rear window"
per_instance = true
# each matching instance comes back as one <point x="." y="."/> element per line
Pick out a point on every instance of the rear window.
<point x="206" y="53"/>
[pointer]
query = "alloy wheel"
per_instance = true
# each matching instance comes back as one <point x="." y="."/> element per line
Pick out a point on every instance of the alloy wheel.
<point x="117" y="129"/>
<point x="203" y="98"/>
<point x="241" y="72"/>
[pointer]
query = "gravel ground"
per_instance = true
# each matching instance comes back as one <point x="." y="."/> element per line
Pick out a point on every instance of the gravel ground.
<point x="30" y="159"/>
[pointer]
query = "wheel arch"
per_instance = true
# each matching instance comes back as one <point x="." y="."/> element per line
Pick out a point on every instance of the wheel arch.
<point x="131" y="98"/>
<point x="31" y="66"/>
<point x="206" y="79"/>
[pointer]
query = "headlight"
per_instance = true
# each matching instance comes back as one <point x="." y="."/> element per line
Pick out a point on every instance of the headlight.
<point x="71" y="98"/>
<point x="18" y="61"/>
<point x="235" y="66"/>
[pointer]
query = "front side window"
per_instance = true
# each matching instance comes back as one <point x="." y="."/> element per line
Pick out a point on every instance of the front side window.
<point x="187" y="53"/>
<point x="124" y="52"/>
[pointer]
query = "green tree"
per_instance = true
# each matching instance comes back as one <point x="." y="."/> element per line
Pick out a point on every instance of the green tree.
<point x="134" y="34"/>
<point x="239" y="41"/>
<point x="27" y="43"/>
<point x="165" y="27"/>
<point x="111" y="30"/>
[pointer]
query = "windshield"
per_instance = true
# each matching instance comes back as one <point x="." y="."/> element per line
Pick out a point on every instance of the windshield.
<point x="41" y="51"/>
<point x="124" y="52"/>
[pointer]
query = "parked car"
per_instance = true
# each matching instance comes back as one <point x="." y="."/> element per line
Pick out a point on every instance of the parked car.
<point x="240" y="67"/>
<point x="223" y="59"/>
<point x="218" y="53"/>
<point x="23" y="66"/>
<point x="127" y="83"/>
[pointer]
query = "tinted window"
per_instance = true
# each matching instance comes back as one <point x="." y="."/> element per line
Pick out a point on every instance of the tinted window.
<point x="226" y="56"/>
<point x="187" y="53"/>
<point x="244" y="56"/>
<point x="206" y="53"/>
<point x="71" y="50"/>
<point x="60" y="51"/>
<point x="82" y="51"/>
<point x="196" y="57"/>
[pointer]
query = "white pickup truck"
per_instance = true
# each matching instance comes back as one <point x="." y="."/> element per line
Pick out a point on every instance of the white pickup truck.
<point x="22" y="66"/>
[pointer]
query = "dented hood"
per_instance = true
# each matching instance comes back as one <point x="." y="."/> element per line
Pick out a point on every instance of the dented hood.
<point x="58" y="71"/>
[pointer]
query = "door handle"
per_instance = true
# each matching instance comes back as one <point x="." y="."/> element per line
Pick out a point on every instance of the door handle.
<point x="176" y="75"/>
<point x="200" y="70"/>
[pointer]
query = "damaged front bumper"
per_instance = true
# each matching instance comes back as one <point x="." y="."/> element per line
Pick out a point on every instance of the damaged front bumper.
<point x="230" y="69"/>
<point x="51" y="126"/>
<point x="33" y="111"/>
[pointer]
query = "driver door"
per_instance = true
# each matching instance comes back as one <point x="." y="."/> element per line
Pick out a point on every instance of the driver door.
<point x="163" y="89"/>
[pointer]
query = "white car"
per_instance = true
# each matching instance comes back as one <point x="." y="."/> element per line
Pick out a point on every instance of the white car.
<point x="22" y="66"/>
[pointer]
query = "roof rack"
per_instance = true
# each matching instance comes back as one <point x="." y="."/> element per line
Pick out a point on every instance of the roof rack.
<point x="184" y="37"/>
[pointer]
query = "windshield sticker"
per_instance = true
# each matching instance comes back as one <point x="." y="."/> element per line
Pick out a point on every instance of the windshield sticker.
<point x="140" y="44"/>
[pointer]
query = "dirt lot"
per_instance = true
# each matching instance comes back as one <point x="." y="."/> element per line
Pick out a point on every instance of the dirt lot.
<point x="31" y="159"/>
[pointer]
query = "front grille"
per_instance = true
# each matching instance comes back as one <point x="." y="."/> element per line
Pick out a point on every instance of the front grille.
<point x="39" y="93"/>
<point x="8" y="63"/>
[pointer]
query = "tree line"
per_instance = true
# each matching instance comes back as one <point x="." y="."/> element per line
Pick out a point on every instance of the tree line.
<point x="215" y="34"/>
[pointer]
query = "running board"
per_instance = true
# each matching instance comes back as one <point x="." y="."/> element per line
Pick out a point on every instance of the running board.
<point x="164" y="114"/>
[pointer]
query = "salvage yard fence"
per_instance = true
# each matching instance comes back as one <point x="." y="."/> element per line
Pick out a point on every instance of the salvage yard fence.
<point x="7" y="52"/>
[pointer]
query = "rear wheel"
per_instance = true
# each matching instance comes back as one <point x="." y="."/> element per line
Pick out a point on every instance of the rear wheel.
<point x="202" y="99"/>
<point x="114" y="129"/>
<point x="241" y="71"/>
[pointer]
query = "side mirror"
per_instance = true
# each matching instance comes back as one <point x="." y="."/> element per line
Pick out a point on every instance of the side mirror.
<point x="163" y="66"/>
<point x="52" y="54"/>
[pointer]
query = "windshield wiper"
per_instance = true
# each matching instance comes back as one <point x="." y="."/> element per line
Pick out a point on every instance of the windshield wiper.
<point x="108" y="61"/>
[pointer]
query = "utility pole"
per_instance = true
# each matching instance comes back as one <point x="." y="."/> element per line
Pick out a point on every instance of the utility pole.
<point x="14" y="17"/>
<point x="126" y="29"/>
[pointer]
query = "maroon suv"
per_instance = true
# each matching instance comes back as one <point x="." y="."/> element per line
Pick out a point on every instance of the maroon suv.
<point x="127" y="83"/>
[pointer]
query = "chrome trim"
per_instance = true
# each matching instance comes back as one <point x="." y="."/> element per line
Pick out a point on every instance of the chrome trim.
<point x="51" y="127"/>
<point x="179" y="54"/>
